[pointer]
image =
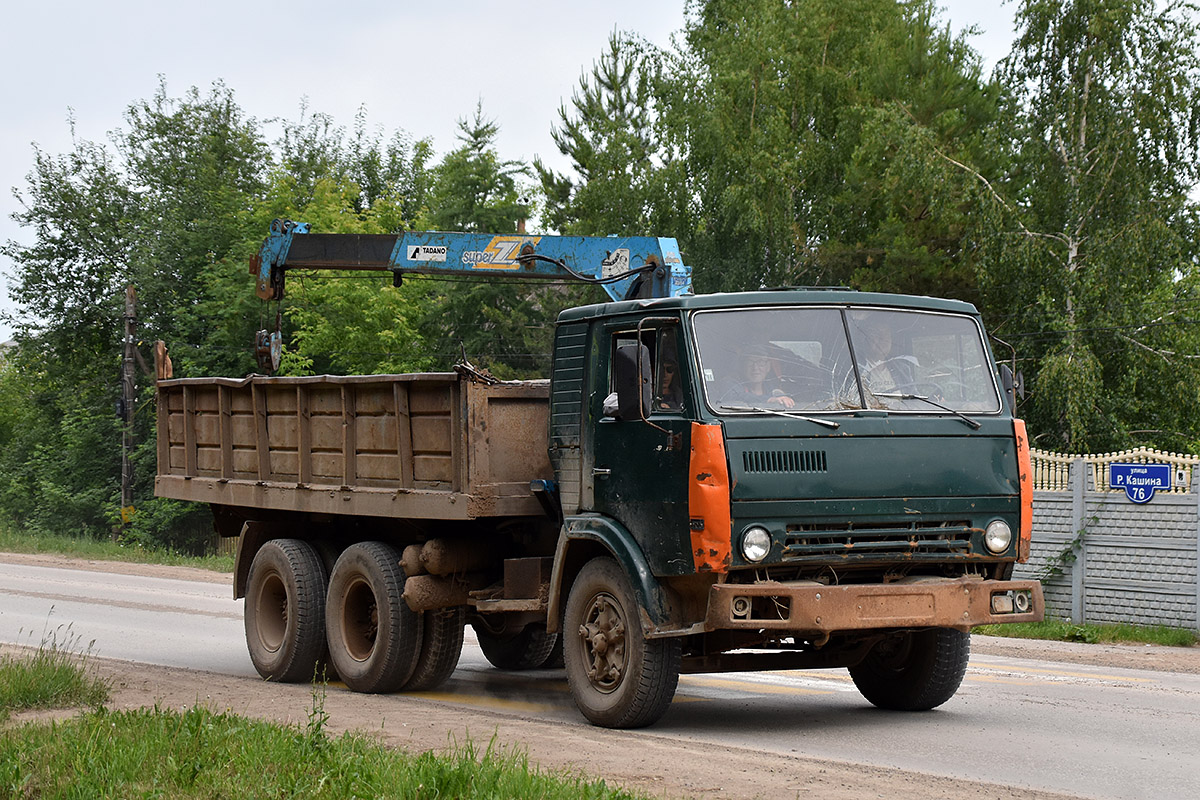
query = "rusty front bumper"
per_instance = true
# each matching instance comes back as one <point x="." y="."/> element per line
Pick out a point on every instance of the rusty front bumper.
<point x="950" y="603"/>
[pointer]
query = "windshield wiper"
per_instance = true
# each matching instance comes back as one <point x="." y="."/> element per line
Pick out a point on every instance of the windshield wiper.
<point x="828" y="423"/>
<point x="900" y="396"/>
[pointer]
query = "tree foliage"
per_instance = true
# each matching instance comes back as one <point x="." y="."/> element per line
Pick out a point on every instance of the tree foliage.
<point x="816" y="136"/>
<point x="504" y="327"/>
<point x="159" y="207"/>
<point x="1091" y="260"/>
<point x="174" y="204"/>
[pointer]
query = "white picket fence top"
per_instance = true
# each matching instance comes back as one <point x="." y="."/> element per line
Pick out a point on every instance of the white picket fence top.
<point x="1051" y="471"/>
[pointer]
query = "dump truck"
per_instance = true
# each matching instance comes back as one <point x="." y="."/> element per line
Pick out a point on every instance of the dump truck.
<point x="784" y="479"/>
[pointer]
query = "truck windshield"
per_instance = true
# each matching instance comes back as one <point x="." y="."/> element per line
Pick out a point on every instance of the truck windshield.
<point x="813" y="359"/>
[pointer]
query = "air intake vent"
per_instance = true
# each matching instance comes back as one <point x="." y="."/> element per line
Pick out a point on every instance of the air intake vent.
<point x="784" y="461"/>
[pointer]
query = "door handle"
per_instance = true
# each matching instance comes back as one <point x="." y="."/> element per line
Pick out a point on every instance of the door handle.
<point x="601" y="472"/>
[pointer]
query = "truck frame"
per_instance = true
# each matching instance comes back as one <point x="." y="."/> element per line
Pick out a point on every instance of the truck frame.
<point x="706" y="483"/>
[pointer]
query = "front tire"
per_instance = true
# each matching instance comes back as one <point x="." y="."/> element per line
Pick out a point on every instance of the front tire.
<point x="285" y="611"/>
<point x="374" y="637"/>
<point x="914" y="671"/>
<point x="617" y="677"/>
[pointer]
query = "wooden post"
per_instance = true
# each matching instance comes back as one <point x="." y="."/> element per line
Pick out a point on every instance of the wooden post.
<point x="163" y="370"/>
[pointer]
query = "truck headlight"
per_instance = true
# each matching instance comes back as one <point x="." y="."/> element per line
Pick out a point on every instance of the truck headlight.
<point x="756" y="543"/>
<point x="997" y="537"/>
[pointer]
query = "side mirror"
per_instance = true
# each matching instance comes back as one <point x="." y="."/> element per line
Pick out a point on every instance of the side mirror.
<point x="1014" y="385"/>
<point x="633" y="384"/>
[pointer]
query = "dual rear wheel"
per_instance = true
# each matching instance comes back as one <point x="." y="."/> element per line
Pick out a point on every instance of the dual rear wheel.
<point x="357" y="620"/>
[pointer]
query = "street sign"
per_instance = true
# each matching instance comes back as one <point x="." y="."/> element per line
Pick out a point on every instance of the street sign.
<point x="1140" y="481"/>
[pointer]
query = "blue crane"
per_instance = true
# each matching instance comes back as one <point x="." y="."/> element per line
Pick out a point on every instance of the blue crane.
<point x="627" y="267"/>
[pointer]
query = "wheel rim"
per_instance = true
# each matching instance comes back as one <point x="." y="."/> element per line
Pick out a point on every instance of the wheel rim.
<point x="360" y="620"/>
<point x="271" y="612"/>
<point x="602" y="638"/>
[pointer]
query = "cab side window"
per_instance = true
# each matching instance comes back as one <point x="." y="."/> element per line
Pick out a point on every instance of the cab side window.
<point x="664" y="366"/>
<point x="668" y="377"/>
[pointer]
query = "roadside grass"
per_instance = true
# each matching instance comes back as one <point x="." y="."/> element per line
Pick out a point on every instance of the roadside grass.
<point x="55" y="675"/>
<point x="199" y="753"/>
<point x="1064" y="631"/>
<point x="13" y="541"/>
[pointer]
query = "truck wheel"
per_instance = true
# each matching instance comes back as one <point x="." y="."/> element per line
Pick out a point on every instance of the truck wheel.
<point x="441" y="645"/>
<point x="374" y="637"/>
<point x="618" y="678"/>
<point x="555" y="659"/>
<point x="527" y="649"/>
<point x="915" y="671"/>
<point x="285" y="610"/>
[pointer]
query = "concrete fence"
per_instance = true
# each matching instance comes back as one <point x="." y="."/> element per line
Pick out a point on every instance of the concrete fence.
<point x="1103" y="558"/>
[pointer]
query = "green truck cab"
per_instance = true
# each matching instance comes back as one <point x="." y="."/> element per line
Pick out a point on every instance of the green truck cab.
<point x="785" y="479"/>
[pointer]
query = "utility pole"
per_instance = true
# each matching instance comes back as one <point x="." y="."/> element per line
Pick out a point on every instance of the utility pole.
<point x="128" y="399"/>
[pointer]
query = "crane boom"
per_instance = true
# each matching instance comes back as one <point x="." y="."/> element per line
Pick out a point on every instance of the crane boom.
<point x="627" y="267"/>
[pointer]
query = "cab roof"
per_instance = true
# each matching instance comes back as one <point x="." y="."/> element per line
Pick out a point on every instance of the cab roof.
<point x="767" y="298"/>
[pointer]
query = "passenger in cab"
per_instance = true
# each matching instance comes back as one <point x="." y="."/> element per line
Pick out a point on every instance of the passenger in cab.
<point x="757" y="383"/>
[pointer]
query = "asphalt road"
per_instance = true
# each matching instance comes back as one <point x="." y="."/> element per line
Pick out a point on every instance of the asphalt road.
<point x="1092" y="731"/>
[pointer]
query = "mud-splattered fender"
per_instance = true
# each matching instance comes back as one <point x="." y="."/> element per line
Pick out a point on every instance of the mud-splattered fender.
<point x="583" y="538"/>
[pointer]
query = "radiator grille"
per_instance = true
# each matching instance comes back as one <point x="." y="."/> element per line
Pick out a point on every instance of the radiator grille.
<point x="860" y="541"/>
<point x="761" y="461"/>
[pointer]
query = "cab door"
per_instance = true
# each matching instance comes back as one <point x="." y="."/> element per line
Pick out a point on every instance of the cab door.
<point x="639" y="466"/>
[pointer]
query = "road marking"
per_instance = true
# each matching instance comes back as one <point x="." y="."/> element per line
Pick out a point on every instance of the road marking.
<point x="751" y="686"/>
<point x="1007" y="681"/>
<point x="1057" y="673"/>
<point x="844" y="677"/>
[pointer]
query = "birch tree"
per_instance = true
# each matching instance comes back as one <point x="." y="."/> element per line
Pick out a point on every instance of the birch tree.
<point x="1093" y="269"/>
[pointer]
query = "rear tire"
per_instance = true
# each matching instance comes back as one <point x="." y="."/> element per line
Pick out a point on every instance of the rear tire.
<point x="374" y="637"/>
<point x="618" y="678"/>
<point x="441" y="645"/>
<point x="528" y="649"/>
<point x="285" y="611"/>
<point x="914" y="671"/>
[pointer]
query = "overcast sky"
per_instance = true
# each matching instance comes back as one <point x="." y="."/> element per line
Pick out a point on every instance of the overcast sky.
<point x="416" y="66"/>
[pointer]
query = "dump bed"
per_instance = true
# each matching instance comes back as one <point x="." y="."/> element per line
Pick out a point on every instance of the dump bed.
<point x="424" y="446"/>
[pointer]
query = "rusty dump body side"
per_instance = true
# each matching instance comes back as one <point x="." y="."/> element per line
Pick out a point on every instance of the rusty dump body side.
<point x="418" y="446"/>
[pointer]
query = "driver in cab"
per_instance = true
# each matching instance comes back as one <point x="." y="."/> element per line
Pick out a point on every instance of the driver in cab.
<point x="882" y="370"/>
